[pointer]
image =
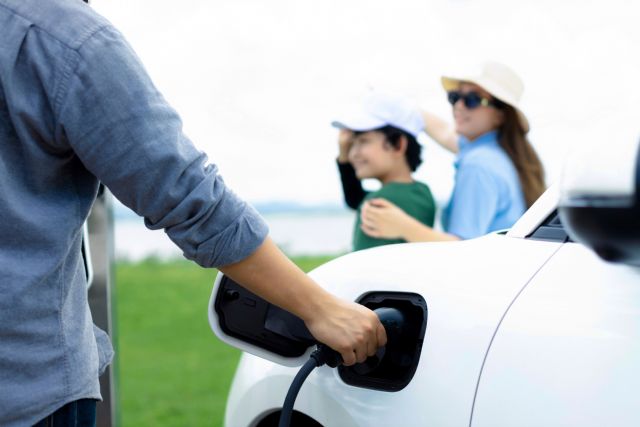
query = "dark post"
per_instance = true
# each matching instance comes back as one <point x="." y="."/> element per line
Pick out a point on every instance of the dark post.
<point x="101" y="291"/>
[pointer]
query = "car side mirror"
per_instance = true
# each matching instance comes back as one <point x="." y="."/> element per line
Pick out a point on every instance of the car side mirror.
<point x="600" y="201"/>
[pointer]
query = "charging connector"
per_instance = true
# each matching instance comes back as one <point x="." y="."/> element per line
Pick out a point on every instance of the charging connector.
<point x="393" y="322"/>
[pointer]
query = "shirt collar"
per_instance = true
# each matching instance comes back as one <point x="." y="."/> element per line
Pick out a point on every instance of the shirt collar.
<point x="491" y="136"/>
<point x="465" y="145"/>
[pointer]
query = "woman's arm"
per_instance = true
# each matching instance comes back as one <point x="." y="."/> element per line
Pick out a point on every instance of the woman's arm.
<point x="382" y="219"/>
<point x="440" y="131"/>
<point x="354" y="194"/>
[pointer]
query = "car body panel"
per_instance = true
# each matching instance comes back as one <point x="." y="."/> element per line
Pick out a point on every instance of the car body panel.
<point x="261" y="385"/>
<point x="465" y="303"/>
<point x="567" y="352"/>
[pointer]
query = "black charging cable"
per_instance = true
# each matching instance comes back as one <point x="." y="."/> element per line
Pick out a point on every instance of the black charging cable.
<point x="393" y="322"/>
<point x="322" y="355"/>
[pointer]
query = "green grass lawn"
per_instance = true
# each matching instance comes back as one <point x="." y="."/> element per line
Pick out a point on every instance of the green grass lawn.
<point x="172" y="370"/>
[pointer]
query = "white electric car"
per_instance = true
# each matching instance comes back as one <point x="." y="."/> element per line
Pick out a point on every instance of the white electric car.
<point x="526" y="327"/>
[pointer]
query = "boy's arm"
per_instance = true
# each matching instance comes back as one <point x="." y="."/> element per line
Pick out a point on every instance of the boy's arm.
<point x="349" y="328"/>
<point x="354" y="194"/>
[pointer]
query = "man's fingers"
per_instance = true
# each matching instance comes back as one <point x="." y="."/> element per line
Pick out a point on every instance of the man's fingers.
<point x="350" y="329"/>
<point x="348" y="357"/>
<point x="372" y="347"/>
<point x="361" y="355"/>
<point x="382" y="336"/>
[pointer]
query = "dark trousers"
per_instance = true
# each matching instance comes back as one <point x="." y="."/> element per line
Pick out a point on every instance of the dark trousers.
<point x="81" y="413"/>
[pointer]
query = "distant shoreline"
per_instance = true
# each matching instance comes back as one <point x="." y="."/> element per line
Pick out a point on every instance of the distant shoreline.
<point x="298" y="233"/>
<point x="121" y="212"/>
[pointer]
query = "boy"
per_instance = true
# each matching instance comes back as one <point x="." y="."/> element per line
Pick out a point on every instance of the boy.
<point x="379" y="141"/>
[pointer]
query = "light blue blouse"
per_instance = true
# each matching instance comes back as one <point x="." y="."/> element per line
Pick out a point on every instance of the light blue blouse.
<point x="487" y="195"/>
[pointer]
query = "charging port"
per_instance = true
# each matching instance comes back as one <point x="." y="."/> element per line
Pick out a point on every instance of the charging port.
<point x="393" y="368"/>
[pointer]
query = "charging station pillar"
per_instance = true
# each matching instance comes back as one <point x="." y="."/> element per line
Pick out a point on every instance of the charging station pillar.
<point x="101" y="292"/>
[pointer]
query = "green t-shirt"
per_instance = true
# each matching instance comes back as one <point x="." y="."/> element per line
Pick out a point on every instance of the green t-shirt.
<point x="414" y="198"/>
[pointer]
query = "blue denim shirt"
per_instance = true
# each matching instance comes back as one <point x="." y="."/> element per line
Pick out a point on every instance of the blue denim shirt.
<point x="487" y="195"/>
<point x="76" y="108"/>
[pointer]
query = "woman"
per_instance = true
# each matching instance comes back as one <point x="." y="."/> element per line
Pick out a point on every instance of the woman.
<point x="498" y="173"/>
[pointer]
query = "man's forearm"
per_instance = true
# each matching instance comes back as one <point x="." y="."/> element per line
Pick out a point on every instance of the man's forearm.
<point x="349" y="328"/>
<point x="271" y="275"/>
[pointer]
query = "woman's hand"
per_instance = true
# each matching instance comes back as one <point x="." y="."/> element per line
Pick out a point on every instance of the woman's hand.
<point x="382" y="219"/>
<point x="345" y="141"/>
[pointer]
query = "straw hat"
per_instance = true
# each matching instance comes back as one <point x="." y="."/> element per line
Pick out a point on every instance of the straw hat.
<point x="497" y="79"/>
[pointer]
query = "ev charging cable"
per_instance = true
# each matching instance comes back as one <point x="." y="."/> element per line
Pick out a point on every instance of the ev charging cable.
<point x="322" y="355"/>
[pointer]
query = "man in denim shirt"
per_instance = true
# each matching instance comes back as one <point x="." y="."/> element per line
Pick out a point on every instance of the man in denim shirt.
<point x="77" y="107"/>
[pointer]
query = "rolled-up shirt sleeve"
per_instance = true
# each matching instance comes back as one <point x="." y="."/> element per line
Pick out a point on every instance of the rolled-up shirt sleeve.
<point x="109" y="113"/>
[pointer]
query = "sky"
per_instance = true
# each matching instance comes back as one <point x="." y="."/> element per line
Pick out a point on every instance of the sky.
<point x="257" y="82"/>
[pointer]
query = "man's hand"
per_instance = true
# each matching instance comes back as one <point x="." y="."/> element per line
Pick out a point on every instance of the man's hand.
<point x="351" y="329"/>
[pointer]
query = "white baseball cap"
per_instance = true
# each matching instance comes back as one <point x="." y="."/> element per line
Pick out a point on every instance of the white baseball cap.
<point x="382" y="109"/>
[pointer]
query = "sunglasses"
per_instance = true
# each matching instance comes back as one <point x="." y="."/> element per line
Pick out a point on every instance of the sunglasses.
<point x="471" y="100"/>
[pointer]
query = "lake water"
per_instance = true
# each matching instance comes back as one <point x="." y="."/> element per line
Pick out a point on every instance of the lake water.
<point x="296" y="233"/>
